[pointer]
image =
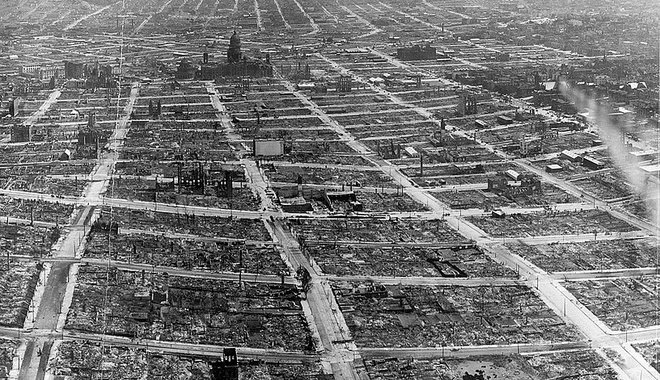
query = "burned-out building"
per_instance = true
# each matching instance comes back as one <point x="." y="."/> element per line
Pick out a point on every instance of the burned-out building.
<point x="197" y="178"/>
<point x="21" y="133"/>
<point x="467" y="105"/>
<point x="90" y="139"/>
<point x="74" y="70"/>
<point x="15" y="106"/>
<point x="96" y="75"/>
<point x="227" y="368"/>
<point x="237" y="65"/>
<point x="511" y="184"/>
<point x="186" y="70"/>
<point x="416" y="53"/>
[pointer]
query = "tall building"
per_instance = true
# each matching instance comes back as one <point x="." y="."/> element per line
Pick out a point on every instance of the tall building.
<point x="234" y="51"/>
<point x="237" y="65"/>
<point x="74" y="70"/>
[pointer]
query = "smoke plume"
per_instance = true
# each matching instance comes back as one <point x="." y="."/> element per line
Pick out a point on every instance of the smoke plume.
<point x="612" y="132"/>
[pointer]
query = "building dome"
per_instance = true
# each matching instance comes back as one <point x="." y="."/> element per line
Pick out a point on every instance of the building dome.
<point x="234" y="51"/>
<point x="235" y="41"/>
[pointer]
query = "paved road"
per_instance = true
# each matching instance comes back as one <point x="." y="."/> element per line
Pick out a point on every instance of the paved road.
<point x="52" y="99"/>
<point x="442" y="281"/>
<point x="191" y="349"/>
<point x="51" y="304"/>
<point x="469" y="351"/>
<point x="327" y="317"/>
<point x="549" y="288"/>
<point x="605" y="274"/>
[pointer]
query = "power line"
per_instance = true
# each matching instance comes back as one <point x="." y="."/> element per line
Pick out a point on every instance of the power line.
<point x="111" y="170"/>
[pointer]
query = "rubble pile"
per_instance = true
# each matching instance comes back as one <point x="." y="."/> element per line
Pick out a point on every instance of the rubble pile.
<point x="484" y="199"/>
<point x="18" y="280"/>
<point x="209" y="226"/>
<point x="331" y="176"/>
<point x="79" y="360"/>
<point x="589" y="255"/>
<point x="418" y="316"/>
<point x="651" y="352"/>
<point x="85" y="360"/>
<point x="27" y="240"/>
<point x="7" y="353"/>
<point x="345" y="260"/>
<point x="387" y="202"/>
<point x="622" y="304"/>
<point x="43" y="211"/>
<point x="584" y="364"/>
<point x="48" y="185"/>
<point x="144" y="190"/>
<point x="605" y="186"/>
<point x="552" y="223"/>
<point x="376" y="230"/>
<point x="186" y="253"/>
<point x="154" y="142"/>
<point x="185" y="309"/>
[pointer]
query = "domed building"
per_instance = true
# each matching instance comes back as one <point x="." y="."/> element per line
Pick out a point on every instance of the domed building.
<point x="237" y="65"/>
<point x="234" y="51"/>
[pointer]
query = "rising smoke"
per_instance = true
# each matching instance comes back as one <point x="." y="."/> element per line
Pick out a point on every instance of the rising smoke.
<point x="612" y="131"/>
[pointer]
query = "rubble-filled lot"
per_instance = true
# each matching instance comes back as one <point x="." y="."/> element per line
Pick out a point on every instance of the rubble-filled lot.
<point x="484" y="199"/>
<point x="585" y="364"/>
<point x="345" y="260"/>
<point x="453" y="174"/>
<point x="172" y="308"/>
<point x="331" y="176"/>
<point x="376" y="230"/>
<point x="325" y="155"/>
<point x="186" y="253"/>
<point x="590" y="255"/>
<point x="145" y="190"/>
<point x="27" y="240"/>
<point x="370" y="202"/>
<point x="144" y="153"/>
<point x="605" y="186"/>
<point x="324" y="147"/>
<point x="70" y="168"/>
<point x="208" y="226"/>
<point x="48" y="185"/>
<point x="78" y="360"/>
<point x="416" y="316"/>
<point x="21" y="153"/>
<point x="43" y="211"/>
<point x="552" y="223"/>
<point x="156" y="142"/>
<point x="18" y="280"/>
<point x="622" y="304"/>
<point x="250" y="129"/>
<point x="552" y="143"/>
<point x="638" y="207"/>
<point x="7" y="352"/>
<point x="651" y="352"/>
<point x="388" y="202"/>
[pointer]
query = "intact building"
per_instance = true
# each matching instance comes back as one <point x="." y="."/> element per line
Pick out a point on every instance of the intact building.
<point x="41" y="72"/>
